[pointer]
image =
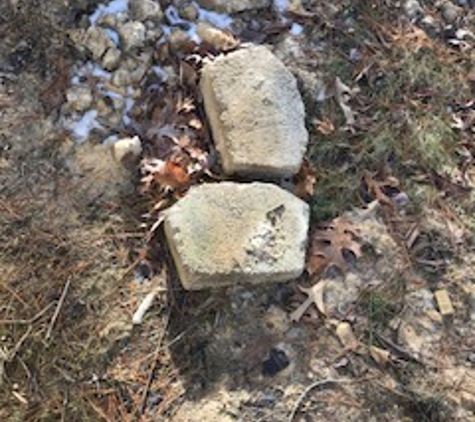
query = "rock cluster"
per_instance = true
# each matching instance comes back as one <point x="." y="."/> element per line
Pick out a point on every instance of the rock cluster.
<point x="223" y="233"/>
<point x="117" y="48"/>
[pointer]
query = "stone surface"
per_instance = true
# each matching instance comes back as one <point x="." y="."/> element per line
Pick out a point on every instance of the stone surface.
<point x="142" y="10"/>
<point x="256" y="113"/>
<point x="233" y="6"/>
<point x="228" y="233"/>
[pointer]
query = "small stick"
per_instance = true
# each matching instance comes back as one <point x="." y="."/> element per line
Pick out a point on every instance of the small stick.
<point x="323" y="384"/>
<point x="58" y="309"/>
<point x="30" y="320"/>
<point x="145" y="305"/>
<point x="153" y="368"/>
<point x="329" y="382"/>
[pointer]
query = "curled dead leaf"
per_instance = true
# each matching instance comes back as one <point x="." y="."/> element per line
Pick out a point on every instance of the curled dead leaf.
<point x="383" y="188"/>
<point x="315" y="296"/>
<point x="168" y="174"/>
<point x="305" y="181"/>
<point x="343" y="96"/>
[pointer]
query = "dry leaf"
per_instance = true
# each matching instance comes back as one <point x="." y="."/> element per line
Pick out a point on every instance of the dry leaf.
<point x="325" y="126"/>
<point x="185" y="105"/>
<point x="167" y="173"/>
<point x="380" y="356"/>
<point x="329" y="245"/>
<point x="315" y="296"/>
<point x="343" y="95"/>
<point x="305" y="181"/>
<point x="379" y="189"/>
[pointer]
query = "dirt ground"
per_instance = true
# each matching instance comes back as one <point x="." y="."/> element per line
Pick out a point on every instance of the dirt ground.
<point x="77" y="256"/>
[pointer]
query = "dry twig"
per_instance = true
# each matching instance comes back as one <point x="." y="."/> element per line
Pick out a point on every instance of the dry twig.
<point x="154" y="367"/>
<point x="58" y="309"/>
<point x="320" y="385"/>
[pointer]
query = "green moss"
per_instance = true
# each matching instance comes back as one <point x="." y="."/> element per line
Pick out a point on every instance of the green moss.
<point x="379" y="311"/>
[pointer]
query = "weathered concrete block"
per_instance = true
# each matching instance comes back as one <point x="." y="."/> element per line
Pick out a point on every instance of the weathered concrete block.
<point x="256" y="113"/>
<point x="226" y="233"/>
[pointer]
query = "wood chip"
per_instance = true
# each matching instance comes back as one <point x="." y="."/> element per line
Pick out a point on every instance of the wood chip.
<point x="346" y="336"/>
<point x="379" y="355"/>
<point x="443" y="301"/>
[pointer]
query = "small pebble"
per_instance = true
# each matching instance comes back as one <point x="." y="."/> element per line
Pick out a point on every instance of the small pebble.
<point x="178" y="39"/>
<point x="121" y="77"/>
<point x="132" y="35"/>
<point x="189" y="13"/>
<point x="413" y="9"/>
<point x="97" y="42"/>
<point x="219" y="39"/>
<point x="111" y="59"/>
<point x="450" y="12"/>
<point x="127" y="148"/>
<point x="143" y="10"/>
<point x="79" y="98"/>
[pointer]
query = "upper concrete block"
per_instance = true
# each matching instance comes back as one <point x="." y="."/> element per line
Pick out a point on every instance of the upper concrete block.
<point x="228" y="233"/>
<point x="256" y="113"/>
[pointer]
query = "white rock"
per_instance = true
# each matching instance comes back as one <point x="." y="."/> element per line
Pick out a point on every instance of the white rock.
<point x="413" y="9"/>
<point x="228" y="233"/>
<point x="132" y="35"/>
<point x="154" y="34"/>
<point x="178" y="39"/>
<point x="121" y="77"/>
<point x="216" y="37"/>
<point x="233" y="6"/>
<point x="450" y="12"/>
<point x="189" y="12"/>
<point x="143" y="10"/>
<point x="127" y="148"/>
<point x="79" y="98"/>
<point x="97" y="42"/>
<point x="256" y="113"/>
<point x="111" y="58"/>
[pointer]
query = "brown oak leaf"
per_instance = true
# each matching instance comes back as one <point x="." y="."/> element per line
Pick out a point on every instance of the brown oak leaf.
<point x="329" y="245"/>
